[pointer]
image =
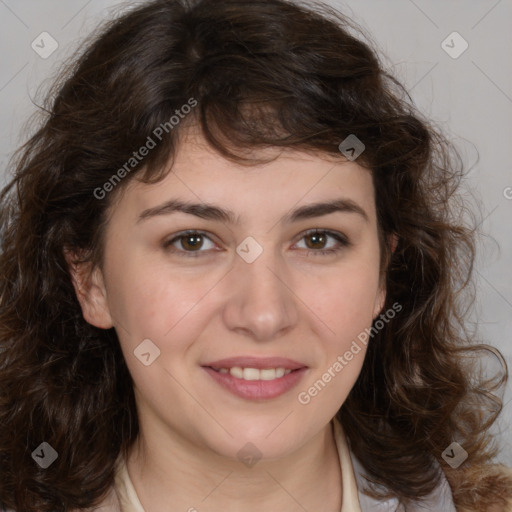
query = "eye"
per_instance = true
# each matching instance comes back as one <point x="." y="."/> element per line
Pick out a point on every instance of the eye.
<point x="318" y="240"/>
<point x="189" y="243"/>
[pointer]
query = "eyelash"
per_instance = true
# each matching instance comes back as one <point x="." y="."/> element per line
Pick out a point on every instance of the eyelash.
<point x="322" y="252"/>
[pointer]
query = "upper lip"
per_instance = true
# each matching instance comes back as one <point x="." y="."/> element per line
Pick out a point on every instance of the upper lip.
<point x="256" y="362"/>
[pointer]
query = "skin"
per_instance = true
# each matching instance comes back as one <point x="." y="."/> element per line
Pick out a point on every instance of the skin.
<point x="290" y="302"/>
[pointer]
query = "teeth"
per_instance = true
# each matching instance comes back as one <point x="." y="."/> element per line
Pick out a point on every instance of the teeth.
<point x="255" y="373"/>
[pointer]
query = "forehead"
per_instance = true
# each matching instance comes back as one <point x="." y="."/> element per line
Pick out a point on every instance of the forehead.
<point x="198" y="173"/>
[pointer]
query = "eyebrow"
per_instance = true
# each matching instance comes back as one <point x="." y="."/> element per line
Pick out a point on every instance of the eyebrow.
<point x="213" y="212"/>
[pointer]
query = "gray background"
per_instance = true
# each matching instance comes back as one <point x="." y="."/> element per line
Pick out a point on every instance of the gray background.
<point x="469" y="97"/>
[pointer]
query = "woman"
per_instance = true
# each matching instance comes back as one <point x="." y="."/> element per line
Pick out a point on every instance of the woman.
<point x="232" y="276"/>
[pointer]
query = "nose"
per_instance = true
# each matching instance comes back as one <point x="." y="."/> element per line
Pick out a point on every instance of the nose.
<point x="263" y="304"/>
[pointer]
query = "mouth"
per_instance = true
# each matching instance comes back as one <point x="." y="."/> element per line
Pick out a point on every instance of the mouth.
<point x="257" y="363"/>
<point x="250" y="374"/>
<point x="256" y="378"/>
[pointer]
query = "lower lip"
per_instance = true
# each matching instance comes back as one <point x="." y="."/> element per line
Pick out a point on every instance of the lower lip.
<point x="257" y="389"/>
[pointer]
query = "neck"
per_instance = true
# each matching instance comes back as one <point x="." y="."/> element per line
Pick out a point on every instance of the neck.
<point x="168" y="473"/>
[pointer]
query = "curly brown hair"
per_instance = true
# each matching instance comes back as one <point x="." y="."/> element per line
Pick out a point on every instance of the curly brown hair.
<point x="264" y="73"/>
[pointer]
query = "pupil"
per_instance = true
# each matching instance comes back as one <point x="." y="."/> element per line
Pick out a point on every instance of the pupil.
<point x="315" y="238"/>
<point x="196" y="241"/>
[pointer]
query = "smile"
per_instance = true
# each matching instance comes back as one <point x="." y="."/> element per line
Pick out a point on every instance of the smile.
<point x="256" y="384"/>
<point x="255" y="373"/>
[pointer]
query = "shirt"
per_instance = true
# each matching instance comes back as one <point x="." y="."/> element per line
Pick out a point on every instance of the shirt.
<point x="123" y="497"/>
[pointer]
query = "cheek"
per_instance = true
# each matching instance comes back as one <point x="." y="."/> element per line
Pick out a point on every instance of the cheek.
<point x="344" y="300"/>
<point x="343" y="307"/>
<point x="152" y="306"/>
<point x="150" y="302"/>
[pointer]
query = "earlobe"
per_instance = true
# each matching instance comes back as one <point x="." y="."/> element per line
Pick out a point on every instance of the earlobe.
<point x="393" y="241"/>
<point x="381" y="300"/>
<point x="381" y="295"/>
<point x="90" y="291"/>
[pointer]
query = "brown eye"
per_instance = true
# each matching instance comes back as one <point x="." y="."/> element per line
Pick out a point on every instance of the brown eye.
<point x="188" y="243"/>
<point x="317" y="240"/>
<point x="192" y="242"/>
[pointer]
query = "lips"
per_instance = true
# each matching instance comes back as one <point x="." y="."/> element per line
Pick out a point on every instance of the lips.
<point x="256" y="378"/>
<point x="256" y="362"/>
<point x="257" y="389"/>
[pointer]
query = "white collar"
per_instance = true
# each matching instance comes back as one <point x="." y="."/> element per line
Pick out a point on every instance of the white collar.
<point x="129" y="501"/>
<point x="350" y="500"/>
<point x="352" y="471"/>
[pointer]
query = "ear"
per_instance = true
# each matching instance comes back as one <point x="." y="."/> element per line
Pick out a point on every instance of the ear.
<point x="393" y="241"/>
<point x="90" y="291"/>
<point x="380" y="298"/>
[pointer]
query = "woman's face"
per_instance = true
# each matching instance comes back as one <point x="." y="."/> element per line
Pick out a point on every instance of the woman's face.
<point x="252" y="286"/>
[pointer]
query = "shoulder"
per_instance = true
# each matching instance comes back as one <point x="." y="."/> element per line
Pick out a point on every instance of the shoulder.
<point x="475" y="486"/>
<point x="501" y="481"/>
<point x="110" y="503"/>
<point x="495" y="478"/>
<point x="439" y="500"/>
